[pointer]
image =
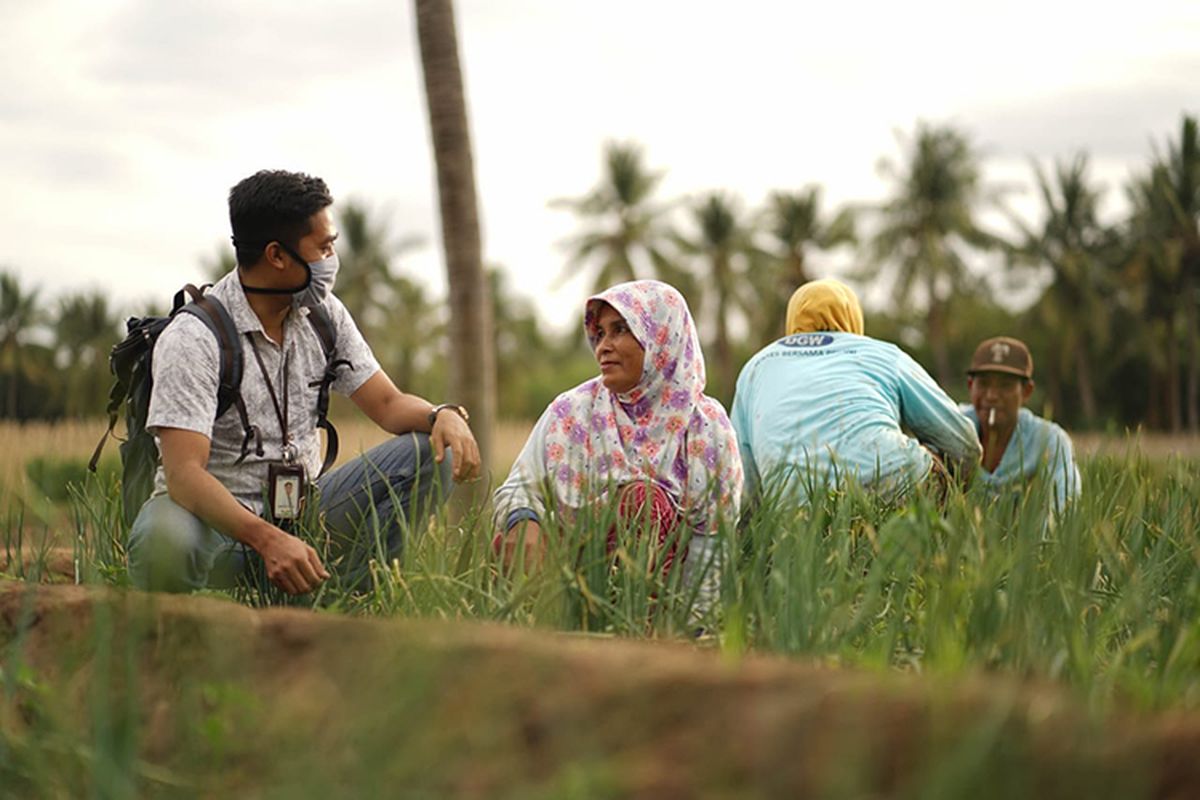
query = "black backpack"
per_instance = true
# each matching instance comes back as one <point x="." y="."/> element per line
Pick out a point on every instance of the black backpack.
<point x="131" y="363"/>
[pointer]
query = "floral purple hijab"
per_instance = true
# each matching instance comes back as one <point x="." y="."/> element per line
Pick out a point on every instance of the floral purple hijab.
<point x="665" y="429"/>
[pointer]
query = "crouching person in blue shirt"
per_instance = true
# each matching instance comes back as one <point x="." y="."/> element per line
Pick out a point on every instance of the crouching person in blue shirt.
<point x="1016" y="442"/>
<point x="827" y="403"/>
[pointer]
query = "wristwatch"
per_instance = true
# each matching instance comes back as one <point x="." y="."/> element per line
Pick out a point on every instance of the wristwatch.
<point x="455" y="407"/>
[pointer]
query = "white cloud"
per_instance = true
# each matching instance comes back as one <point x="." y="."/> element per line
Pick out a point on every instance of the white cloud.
<point x="123" y="124"/>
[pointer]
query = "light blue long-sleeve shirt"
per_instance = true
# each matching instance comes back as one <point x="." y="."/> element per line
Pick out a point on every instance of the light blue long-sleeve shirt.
<point x="1036" y="444"/>
<point x="812" y="408"/>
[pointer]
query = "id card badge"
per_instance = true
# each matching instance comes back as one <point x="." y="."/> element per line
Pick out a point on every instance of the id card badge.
<point x="285" y="490"/>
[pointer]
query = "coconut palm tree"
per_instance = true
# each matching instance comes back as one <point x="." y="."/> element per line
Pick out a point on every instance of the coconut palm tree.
<point x="626" y="232"/>
<point x="929" y="228"/>
<point x="1150" y="283"/>
<point x="1178" y="183"/>
<point x="1164" y="227"/>
<point x="723" y="244"/>
<point x="412" y="341"/>
<point x="85" y="329"/>
<point x="518" y="336"/>
<point x="366" y="280"/>
<point x="794" y="226"/>
<point x="472" y="362"/>
<point x="1080" y="254"/>
<point x="20" y="314"/>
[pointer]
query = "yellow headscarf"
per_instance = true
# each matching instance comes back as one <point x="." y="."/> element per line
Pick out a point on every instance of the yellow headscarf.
<point x="824" y="305"/>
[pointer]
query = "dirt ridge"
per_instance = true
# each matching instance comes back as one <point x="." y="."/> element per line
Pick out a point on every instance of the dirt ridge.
<point x="497" y="710"/>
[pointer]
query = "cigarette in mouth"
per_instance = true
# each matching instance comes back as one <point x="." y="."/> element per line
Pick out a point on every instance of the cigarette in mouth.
<point x="991" y="417"/>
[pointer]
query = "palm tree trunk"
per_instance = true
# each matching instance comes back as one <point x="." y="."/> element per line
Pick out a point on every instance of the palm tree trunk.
<point x="722" y="292"/>
<point x="798" y="271"/>
<point x="1083" y="374"/>
<point x="472" y="357"/>
<point x="1153" y="419"/>
<point x="724" y="351"/>
<point x="1056" y="394"/>
<point x="793" y="276"/>
<point x="935" y="331"/>
<point x="1174" y="410"/>
<point x="1192" y="355"/>
<point x="14" y="380"/>
<point x="11" y="402"/>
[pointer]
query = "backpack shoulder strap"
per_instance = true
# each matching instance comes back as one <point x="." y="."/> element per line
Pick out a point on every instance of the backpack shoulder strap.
<point x="322" y="323"/>
<point x="189" y="290"/>
<point x="213" y="314"/>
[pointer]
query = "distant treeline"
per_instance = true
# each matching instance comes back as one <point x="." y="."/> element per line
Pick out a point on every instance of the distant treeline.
<point x="1112" y="314"/>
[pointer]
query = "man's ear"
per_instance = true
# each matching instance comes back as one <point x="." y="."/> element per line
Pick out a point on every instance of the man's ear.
<point x="275" y="256"/>
<point x="1027" y="391"/>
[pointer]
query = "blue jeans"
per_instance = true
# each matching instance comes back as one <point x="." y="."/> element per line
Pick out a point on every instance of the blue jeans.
<point x="368" y="505"/>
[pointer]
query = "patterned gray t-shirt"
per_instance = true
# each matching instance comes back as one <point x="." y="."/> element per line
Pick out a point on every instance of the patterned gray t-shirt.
<point x="187" y="372"/>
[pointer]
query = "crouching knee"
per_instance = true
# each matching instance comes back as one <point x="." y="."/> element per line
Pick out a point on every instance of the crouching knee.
<point x="166" y="548"/>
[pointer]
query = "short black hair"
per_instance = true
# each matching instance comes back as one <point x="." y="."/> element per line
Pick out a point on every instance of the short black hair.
<point x="273" y="205"/>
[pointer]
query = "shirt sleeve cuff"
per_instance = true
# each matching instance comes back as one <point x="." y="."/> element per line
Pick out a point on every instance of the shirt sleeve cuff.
<point x="520" y="515"/>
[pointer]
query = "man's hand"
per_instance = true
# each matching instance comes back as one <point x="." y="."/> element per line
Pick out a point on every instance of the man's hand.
<point x="397" y="412"/>
<point x="451" y="430"/>
<point x="292" y="565"/>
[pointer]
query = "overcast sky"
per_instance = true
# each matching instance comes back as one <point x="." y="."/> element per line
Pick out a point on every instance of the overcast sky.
<point x="123" y="124"/>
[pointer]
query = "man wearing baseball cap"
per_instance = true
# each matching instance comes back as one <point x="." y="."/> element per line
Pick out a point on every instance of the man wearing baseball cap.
<point x="1016" y="442"/>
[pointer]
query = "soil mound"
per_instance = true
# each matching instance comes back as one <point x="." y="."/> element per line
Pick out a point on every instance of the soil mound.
<point x="41" y="565"/>
<point x="189" y="694"/>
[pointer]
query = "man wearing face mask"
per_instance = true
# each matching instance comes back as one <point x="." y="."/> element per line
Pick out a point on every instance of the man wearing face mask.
<point x="214" y="507"/>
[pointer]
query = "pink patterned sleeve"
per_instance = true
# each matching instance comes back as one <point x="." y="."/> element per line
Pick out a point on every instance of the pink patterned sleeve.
<point x="732" y="479"/>
<point x="715" y="470"/>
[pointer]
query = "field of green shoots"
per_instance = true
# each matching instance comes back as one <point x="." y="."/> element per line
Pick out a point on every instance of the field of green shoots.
<point x="1099" y="607"/>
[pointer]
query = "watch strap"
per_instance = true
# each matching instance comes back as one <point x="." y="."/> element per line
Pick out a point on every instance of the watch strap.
<point x="455" y="407"/>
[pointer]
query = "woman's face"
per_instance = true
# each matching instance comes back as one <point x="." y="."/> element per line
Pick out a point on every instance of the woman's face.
<point x="617" y="351"/>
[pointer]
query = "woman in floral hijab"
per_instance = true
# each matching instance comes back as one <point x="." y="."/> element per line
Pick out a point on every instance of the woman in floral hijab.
<point x="643" y="422"/>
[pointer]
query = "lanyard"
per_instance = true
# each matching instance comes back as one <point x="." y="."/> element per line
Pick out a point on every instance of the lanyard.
<point x="281" y="413"/>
